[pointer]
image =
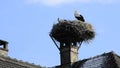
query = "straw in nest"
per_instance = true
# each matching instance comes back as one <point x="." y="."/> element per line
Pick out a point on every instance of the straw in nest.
<point x="72" y="31"/>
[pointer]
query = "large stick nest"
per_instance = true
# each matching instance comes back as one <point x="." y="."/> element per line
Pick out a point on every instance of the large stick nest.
<point x="72" y="31"/>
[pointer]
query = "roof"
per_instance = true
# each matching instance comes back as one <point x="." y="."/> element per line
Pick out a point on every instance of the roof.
<point x="7" y="62"/>
<point x="106" y="60"/>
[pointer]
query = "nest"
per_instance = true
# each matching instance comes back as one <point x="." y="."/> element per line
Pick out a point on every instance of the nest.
<point x="72" y="31"/>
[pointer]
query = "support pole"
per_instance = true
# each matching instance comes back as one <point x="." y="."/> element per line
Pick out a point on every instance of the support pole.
<point x="54" y="42"/>
<point x="80" y="43"/>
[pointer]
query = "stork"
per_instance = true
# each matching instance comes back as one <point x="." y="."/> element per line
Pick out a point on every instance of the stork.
<point x="79" y="16"/>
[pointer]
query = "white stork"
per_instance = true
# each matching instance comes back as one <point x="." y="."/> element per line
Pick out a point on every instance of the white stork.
<point x="79" y="16"/>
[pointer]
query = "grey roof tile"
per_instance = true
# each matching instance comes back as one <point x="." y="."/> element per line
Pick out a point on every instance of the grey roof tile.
<point x="106" y="60"/>
<point x="7" y="62"/>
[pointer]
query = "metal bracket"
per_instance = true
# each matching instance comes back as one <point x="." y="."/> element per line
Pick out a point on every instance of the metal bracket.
<point x="80" y="43"/>
<point x="54" y="41"/>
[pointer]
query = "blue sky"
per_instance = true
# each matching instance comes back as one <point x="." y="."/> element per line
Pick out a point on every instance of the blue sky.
<point x="26" y="24"/>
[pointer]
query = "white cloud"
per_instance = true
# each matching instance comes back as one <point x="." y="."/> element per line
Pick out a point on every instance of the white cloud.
<point x="51" y="2"/>
<point x="56" y="2"/>
<point x="107" y="1"/>
<point x="60" y="2"/>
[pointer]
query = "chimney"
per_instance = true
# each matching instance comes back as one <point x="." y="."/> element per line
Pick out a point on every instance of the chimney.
<point x="3" y="48"/>
<point x="68" y="54"/>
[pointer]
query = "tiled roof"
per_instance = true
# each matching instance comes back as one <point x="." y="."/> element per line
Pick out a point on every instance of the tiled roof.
<point x="7" y="62"/>
<point x="106" y="60"/>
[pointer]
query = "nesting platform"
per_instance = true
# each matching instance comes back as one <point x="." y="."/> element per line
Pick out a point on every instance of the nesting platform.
<point x="72" y="31"/>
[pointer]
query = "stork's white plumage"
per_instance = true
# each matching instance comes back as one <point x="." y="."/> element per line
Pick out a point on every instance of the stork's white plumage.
<point x="79" y="16"/>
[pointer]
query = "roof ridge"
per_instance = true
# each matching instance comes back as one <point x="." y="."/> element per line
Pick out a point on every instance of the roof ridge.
<point x="103" y="54"/>
<point x="16" y="61"/>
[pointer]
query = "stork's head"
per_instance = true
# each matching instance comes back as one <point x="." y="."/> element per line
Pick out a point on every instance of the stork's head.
<point x="76" y="13"/>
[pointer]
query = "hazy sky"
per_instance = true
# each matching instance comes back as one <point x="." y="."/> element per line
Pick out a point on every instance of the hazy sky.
<point x="26" y="24"/>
